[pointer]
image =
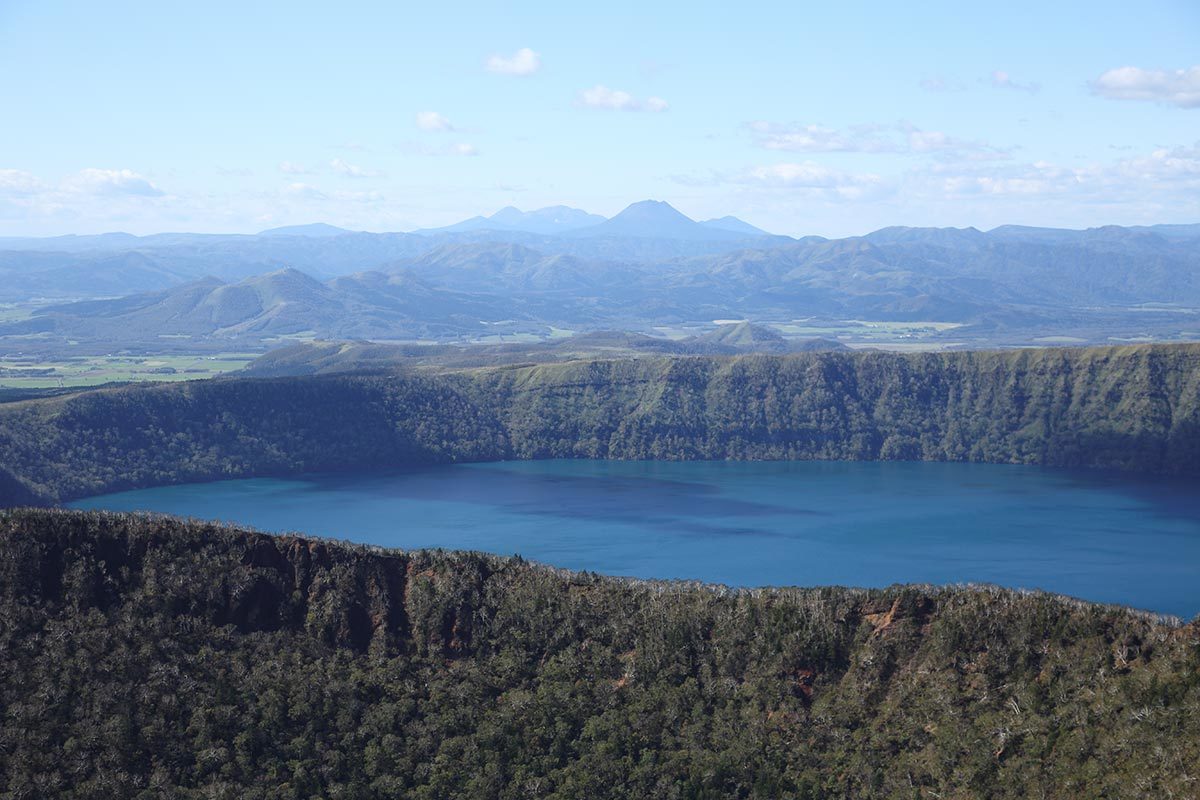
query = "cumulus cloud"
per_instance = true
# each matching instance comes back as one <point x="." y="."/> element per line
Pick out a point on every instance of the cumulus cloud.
<point x="602" y="97"/>
<point x="304" y="191"/>
<point x="358" y="197"/>
<point x="1162" y="173"/>
<point x="820" y="139"/>
<point x="112" y="182"/>
<point x="422" y="149"/>
<point x="1141" y="187"/>
<point x="19" y="182"/>
<point x="523" y="62"/>
<point x="292" y="168"/>
<point x="1002" y="80"/>
<point x="1180" y="87"/>
<point x="78" y="199"/>
<point x="798" y="179"/>
<point x="813" y="177"/>
<point x="433" y="121"/>
<point x="349" y="170"/>
<point x="902" y="137"/>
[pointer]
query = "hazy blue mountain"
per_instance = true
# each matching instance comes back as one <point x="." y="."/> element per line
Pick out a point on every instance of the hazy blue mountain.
<point x="476" y="223"/>
<point x="655" y="219"/>
<point x="734" y="224"/>
<point x="549" y="220"/>
<point x="55" y="274"/>
<point x="489" y="266"/>
<point x="282" y="303"/>
<point x="965" y="238"/>
<point x="316" y="230"/>
<point x="1175" y="231"/>
<point x="545" y="221"/>
<point x="70" y="243"/>
<point x="638" y="270"/>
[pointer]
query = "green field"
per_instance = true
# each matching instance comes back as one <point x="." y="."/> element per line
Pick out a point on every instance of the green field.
<point x="916" y="335"/>
<point x="29" y="373"/>
<point x="10" y="312"/>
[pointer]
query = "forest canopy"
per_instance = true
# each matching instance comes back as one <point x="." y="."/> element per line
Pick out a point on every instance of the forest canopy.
<point x="1130" y="408"/>
<point x="142" y="656"/>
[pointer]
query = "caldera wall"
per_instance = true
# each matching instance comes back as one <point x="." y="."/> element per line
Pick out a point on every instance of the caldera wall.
<point x="1129" y="408"/>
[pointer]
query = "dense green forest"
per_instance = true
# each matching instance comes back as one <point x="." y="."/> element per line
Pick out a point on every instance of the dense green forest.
<point x="147" y="657"/>
<point x="1134" y="408"/>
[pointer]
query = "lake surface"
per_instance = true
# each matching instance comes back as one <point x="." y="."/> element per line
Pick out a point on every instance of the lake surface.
<point x="1099" y="536"/>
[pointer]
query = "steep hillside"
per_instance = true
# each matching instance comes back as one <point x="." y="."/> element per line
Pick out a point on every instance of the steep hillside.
<point x="262" y="308"/>
<point x="894" y="273"/>
<point x="1132" y="408"/>
<point x="143" y="656"/>
<point x="746" y="334"/>
<point x="326" y="357"/>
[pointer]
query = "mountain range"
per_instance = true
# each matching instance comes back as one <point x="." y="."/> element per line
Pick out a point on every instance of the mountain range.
<point x="75" y="267"/>
<point x="647" y="266"/>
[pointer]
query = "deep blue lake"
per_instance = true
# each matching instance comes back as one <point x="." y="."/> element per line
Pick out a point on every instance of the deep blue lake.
<point x="1099" y="536"/>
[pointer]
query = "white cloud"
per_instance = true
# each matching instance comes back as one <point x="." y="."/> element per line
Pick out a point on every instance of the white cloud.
<point x="809" y="175"/>
<point x="358" y="197"/>
<point x="1002" y="80"/>
<point x="1162" y="173"/>
<point x="522" y="62"/>
<point x="112" y="182"/>
<point x="800" y="179"/>
<point x="343" y="167"/>
<point x="820" y="139"/>
<point x="940" y="84"/>
<point x="433" y="121"/>
<point x="1180" y="87"/>
<point x="18" y="182"/>
<point x="602" y="97"/>
<point x="304" y="191"/>
<point x="902" y="137"/>
<point x="422" y="149"/>
<point x="292" y="168"/>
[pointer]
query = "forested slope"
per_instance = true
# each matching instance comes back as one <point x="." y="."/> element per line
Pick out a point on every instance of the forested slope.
<point x="147" y="657"/>
<point x="1133" y="408"/>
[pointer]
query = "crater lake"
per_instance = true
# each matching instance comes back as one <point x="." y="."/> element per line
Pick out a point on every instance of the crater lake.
<point x="1099" y="536"/>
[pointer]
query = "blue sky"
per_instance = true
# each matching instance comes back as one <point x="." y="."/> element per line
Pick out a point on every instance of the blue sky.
<point x="824" y="118"/>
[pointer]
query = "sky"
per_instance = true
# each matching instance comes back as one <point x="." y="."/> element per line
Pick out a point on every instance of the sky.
<point x="802" y="118"/>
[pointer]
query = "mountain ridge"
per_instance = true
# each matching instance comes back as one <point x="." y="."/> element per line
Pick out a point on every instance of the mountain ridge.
<point x="333" y="668"/>
<point x="1131" y="408"/>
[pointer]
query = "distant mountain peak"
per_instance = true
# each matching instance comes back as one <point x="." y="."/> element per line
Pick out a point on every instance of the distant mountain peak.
<point x="547" y="221"/>
<point x="658" y="219"/>
<point x="315" y="230"/>
<point x="509" y="213"/>
<point x="658" y="208"/>
<point x="731" y="223"/>
<point x="284" y="278"/>
<point x="742" y="334"/>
